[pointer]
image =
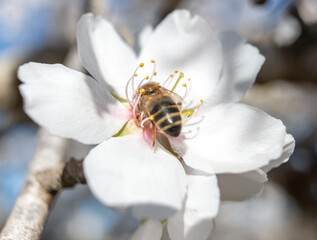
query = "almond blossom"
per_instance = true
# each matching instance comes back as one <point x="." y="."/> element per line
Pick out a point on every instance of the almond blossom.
<point x="176" y="178"/>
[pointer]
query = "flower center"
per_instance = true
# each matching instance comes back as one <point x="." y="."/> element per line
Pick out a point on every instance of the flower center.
<point x="158" y="107"/>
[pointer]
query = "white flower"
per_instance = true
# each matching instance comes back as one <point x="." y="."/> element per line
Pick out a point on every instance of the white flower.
<point x="126" y="171"/>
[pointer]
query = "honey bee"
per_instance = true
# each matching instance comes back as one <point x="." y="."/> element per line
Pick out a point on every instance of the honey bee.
<point x="163" y="107"/>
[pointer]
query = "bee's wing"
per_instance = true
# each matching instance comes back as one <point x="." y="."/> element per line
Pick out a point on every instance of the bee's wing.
<point x="178" y="99"/>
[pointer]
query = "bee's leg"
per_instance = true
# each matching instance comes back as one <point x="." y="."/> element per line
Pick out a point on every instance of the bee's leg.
<point x="154" y="135"/>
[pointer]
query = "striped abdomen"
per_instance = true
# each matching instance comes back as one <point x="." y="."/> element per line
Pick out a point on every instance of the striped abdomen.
<point x="167" y="115"/>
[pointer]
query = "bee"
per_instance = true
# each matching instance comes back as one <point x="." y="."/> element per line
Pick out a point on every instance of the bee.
<point x="163" y="107"/>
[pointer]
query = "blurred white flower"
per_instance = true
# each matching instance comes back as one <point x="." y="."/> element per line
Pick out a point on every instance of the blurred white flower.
<point x="308" y="10"/>
<point x="256" y="22"/>
<point x="220" y="137"/>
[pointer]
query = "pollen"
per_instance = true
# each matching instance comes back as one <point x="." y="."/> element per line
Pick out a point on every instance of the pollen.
<point x="147" y="77"/>
<point x="187" y="113"/>
<point x="184" y="85"/>
<point x="152" y="117"/>
<point x="171" y="75"/>
<point x="202" y="101"/>
<point x="142" y="90"/>
<point x="176" y="71"/>
<point x="154" y="73"/>
<point x="188" y="79"/>
<point x="152" y="61"/>
<point x="150" y="98"/>
<point x="135" y="75"/>
<point x="141" y="64"/>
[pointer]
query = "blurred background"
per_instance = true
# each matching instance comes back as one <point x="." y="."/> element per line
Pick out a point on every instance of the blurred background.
<point x="285" y="31"/>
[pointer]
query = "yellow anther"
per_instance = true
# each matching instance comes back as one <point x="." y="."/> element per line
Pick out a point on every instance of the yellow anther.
<point x="188" y="79"/>
<point x="142" y="90"/>
<point x="136" y="91"/>
<point x="196" y="106"/>
<point x="154" y="73"/>
<point x="152" y="117"/>
<point x="141" y="64"/>
<point x="135" y="75"/>
<point x="202" y="101"/>
<point x="171" y="75"/>
<point x="147" y="77"/>
<point x="184" y="85"/>
<point x="152" y="61"/>
<point x="176" y="71"/>
<point x="150" y="98"/>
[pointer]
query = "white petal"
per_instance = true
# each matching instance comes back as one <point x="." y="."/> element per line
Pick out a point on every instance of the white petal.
<point x="195" y="221"/>
<point x="235" y="138"/>
<point x="239" y="187"/>
<point x="151" y="229"/>
<point x="77" y="150"/>
<point x="145" y="35"/>
<point x="188" y="44"/>
<point x="69" y="103"/>
<point x="127" y="172"/>
<point x="288" y="149"/>
<point x="104" y="54"/>
<point x="241" y="64"/>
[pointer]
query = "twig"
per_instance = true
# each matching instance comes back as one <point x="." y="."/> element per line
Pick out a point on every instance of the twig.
<point x="29" y="214"/>
<point x="98" y="7"/>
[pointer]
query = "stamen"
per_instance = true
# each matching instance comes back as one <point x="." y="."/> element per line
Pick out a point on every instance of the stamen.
<point x="167" y="83"/>
<point x="132" y="78"/>
<point x="154" y="69"/>
<point x="126" y="92"/>
<point x="141" y="64"/>
<point x="176" y="71"/>
<point x="191" y="134"/>
<point x="189" y="117"/>
<point x="202" y="101"/>
<point x="146" y="119"/>
<point x="141" y="82"/>
<point x="186" y="91"/>
<point x="190" y="85"/>
<point x="181" y="75"/>
<point x="136" y="104"/>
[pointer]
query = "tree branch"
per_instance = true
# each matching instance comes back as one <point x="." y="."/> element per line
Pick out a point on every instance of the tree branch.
<point x="29" y="214"/>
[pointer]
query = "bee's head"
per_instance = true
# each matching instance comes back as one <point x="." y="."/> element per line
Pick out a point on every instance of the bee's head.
<point x="150" y="89"/>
